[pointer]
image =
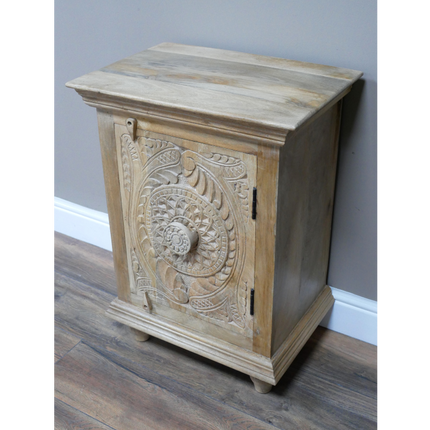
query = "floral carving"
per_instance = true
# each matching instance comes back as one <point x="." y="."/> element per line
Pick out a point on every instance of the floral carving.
<point x="185" y="228"/>
<point x="234" y="171"/>
<point x="175" y="204"/>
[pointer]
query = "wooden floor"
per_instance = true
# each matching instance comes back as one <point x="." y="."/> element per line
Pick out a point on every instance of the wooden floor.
<point x="104" y="379"/>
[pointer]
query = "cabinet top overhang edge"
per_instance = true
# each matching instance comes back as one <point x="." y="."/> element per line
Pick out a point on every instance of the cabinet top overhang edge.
<point x="238" y="90"/>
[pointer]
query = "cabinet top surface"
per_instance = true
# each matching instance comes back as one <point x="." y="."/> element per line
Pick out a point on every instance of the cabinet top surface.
<point x="227" y="85"/>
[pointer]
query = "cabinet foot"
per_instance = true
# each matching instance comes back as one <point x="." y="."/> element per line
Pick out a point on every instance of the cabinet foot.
<point x="140" y="336"/>
<point x="261" y="386"/>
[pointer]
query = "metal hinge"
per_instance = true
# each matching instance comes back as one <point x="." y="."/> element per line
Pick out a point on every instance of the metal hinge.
<point x="254" y="203"/>
<point x="251" y="306"/>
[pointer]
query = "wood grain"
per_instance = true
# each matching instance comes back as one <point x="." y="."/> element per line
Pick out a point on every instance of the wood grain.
<point x="260" y="60"/>
<point x="94" y="382"/>
<point x="331" y="383"/>
<point x="63" y="342"/>
<point x="267" y="189"/>
<point x="113" y="200"/>
<point x="304" y="215"/>
<point x="85" y="263"/>
<point x="68" y="418"/>
<point x="269" y="92"/>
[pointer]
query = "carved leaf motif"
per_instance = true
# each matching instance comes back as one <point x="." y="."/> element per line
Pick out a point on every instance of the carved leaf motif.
<point x="236" y="317"/>
<point x="234" y="171"/>
<point x="162" y="169"/>
<point x="128" y="155"/>
<point x="211" y="307"/>
<point x="241" y="190"/>
<point x="173" y="281"/>
<point x="221" y="158"/>
<point x="142" y="281"/>
<point x="234" y="168"/>
<point x="153" y="146"/>
<point x="204" y="184"/>
<point x="202" y="286"/>
<point x="130" y="145"/>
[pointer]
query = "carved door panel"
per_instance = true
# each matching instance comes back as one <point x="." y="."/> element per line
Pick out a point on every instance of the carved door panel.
<point x="189" y="233"/>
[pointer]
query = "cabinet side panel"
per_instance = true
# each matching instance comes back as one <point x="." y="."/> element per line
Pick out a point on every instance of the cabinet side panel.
<point x="114" y="204"/>
<point x="304" y="218"/>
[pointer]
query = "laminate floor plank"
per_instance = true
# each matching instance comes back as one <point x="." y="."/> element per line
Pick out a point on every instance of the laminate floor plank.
<point x="330" y="385"/>
<point x="68" y="418"/>
<point x="63" y="342"/>
<point x="99" y="387"/>
<point x="85" y="262"/>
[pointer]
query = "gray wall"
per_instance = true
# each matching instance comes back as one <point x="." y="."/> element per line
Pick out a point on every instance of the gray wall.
<point x="91" y="34"/>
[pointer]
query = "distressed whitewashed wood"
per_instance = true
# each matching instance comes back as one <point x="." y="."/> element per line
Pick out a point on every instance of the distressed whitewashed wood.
<point x="261" y="386"/>
<point x="140" y="336"/>
<point x="248" y="90"/>
<point x="259" y="60"/>
<point x="186" y="134"/>
<point x="199" y="195"/>
<point x="265" y="369"/>
<point x="304" y="210"/>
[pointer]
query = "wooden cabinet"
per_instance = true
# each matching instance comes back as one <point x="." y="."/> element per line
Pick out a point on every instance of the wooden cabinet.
<point x="220" y="171"/>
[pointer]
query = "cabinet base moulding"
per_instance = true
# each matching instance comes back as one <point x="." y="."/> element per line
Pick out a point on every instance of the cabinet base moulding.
<point x="265" y="369"/>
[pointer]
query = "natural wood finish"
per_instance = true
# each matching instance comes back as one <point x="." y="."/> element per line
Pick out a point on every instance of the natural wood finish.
<point x="261" y="386"/>
<point x="304" y="212"/>
<point x="330" y="385"/>
<point x="208" y="346"/>
<point x="257" y="60"/>
<point x="292" y="345"/>
<point x="146" y="302"/>
<point x="269" y="370"/>
<point x="267" y="186"/>
<point x="208" y="189"/>
<point x="193" y="132"/>
<point x="242" y="92"/>
<point x="140" y="336"/>
<point x="113" y="200"/>
<point x="220" y="183"/>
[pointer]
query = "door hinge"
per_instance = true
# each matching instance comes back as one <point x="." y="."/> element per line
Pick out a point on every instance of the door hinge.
<point x="254" y="203"/>
<point x="251" y="306"/>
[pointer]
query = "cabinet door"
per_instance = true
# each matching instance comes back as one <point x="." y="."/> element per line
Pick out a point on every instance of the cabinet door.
<point x="189" y="231"/>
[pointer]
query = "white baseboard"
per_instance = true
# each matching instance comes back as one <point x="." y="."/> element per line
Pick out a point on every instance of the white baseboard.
<point x="351" y="315"/>
<point x="82" y="223"/>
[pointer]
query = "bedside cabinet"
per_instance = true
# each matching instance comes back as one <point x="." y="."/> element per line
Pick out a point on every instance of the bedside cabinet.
<point x="220" y="171"/>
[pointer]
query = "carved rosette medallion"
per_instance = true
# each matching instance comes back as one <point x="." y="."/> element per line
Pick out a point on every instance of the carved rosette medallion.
<point x="179" y="238"/>
<point x="172" y="204"/>
<point x="186" y="213"/>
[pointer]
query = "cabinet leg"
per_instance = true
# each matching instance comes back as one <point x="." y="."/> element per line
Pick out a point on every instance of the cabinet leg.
<point x="140" y="336"/>
<point x="261" y="386"/>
